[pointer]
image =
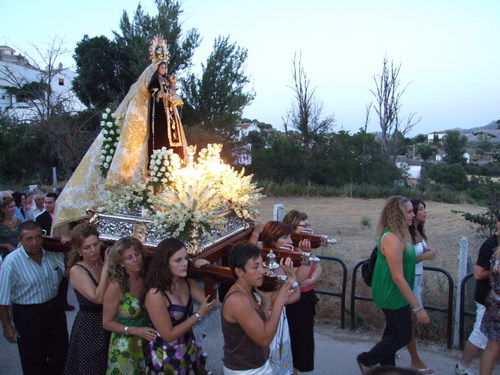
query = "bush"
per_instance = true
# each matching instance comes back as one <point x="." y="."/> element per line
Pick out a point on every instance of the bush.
<point x="454" y="175"/>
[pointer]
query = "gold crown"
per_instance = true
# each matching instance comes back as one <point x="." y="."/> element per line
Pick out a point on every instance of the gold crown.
<point x="158" y="49"/>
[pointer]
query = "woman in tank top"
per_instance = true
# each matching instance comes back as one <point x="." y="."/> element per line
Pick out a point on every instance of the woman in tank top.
<point x="392" y="283"/>
<point x="246" y="327"/>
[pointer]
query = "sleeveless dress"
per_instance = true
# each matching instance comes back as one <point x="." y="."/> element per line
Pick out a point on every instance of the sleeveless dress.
<point x="490" y="325"/>
<point x="89" y="342"/>
<point x="180" y="356"/>
<point x="126" y="354"/>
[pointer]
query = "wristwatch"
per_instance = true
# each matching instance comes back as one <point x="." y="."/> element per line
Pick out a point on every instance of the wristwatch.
<point x="417" y="309"/>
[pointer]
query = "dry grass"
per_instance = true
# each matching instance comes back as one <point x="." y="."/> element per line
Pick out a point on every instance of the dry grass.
<point x="352" y="222"/>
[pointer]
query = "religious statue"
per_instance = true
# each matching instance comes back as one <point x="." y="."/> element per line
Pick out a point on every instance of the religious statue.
<point x="164" y="121"/>
<point x="148" y="120"/>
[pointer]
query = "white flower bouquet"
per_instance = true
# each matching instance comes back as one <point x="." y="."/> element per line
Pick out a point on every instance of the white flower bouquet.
<point x="110" y="129"/>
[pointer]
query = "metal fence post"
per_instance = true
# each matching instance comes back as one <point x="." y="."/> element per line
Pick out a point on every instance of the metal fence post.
<point x="278" y="212"/>
<point x="462" y="272"/>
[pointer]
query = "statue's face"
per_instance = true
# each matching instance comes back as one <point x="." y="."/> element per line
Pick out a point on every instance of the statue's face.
<point x="162" y="69"/>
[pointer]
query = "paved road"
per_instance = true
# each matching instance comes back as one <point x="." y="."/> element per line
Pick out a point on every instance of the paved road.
<point x="336" y="350"/>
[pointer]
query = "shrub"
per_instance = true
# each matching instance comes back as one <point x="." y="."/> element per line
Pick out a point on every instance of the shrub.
<point x="454" y="175"/>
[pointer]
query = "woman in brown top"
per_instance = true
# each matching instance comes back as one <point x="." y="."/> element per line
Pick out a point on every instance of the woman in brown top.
<point x="247" y="331"/>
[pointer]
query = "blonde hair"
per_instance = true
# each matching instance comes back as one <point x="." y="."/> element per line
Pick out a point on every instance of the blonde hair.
<point x="393" y="216"/>
<point x="115" y="270"/>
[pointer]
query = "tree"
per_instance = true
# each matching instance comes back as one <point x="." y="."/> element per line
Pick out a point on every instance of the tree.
<point x="453" y="175"/>
<point x="388" y="108"/>
<point x="454" y="146"/>
<point x="120" y="62"/>
<point x="49" y="111"/>
<point x="420" y="138"/>
<point x="306" y="113"/>
<point x="96" y="62"/>
<point x="216" y="100"/>
<point x="425" y="152"/>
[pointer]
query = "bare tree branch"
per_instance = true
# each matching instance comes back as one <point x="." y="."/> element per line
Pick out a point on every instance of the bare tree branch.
<point x="388" y="106"/>
<point x="306" y="113"/>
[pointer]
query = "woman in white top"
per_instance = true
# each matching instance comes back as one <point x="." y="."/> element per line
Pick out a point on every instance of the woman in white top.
<point x="423" y="252"/>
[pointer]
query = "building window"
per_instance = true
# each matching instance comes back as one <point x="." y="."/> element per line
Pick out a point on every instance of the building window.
<point x="61" y="81"/>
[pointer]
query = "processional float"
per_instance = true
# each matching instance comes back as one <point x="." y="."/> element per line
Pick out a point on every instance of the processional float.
<point x="125" y="189"/>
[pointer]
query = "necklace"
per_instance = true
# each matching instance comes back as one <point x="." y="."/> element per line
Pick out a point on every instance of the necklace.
<point x="250" y="295"/>
<point x="96" y="266"/>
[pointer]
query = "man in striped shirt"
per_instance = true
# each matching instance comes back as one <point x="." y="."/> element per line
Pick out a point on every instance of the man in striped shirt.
<point x="29" y="281"/>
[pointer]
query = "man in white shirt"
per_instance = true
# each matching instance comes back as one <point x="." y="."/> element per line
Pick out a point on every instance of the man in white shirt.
<point x="29" y="281"/>
<point x="37" y="209"/>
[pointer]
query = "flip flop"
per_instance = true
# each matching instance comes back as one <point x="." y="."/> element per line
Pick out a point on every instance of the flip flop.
<point x="425" y="371"/>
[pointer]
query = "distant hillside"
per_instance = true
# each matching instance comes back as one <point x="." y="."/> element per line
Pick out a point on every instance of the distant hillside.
<point x="490" y="128"/>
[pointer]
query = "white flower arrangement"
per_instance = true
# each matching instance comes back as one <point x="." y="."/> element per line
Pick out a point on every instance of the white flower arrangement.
<point x="187" y="201"/>
<point x="161" y="165"/>
<point x="110" y="129"/>
<point x="128" y="199"/>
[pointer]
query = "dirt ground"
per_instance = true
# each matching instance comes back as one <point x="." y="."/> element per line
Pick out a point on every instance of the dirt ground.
<point x="352" y="222"/>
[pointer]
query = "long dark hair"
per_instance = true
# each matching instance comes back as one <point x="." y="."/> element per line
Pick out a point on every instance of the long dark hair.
<point x="419" y="228"/>
<point x="159" y="276"/>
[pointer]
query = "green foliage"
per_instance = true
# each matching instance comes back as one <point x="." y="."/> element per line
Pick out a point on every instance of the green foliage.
<point x="454" y="145"/>
<point x="29" y="151"/>
<point x="216" y="99"/>
<point x="486" y="220"/>
<point x="420" y="138"/>
<point x="32" y="91"/>
<point x="453" y="175"/>
<point x="96" y="67"/>
<point x="334" y="159"/>
<point x="18" y="161"/>
<point x="425" y="151"/>
<point x="489" y="169"/>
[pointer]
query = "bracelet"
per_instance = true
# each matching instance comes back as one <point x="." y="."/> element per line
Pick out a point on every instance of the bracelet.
<point x="417" y="309"/>
<point x="266" y="304"/>
<point x="126" y="330"/>
<point x="198" y="316"/>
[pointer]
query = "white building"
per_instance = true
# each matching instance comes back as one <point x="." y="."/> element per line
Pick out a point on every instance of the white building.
<point x="15" y="67"/>
<point x="245" y="128"/>
<point x="245" y="156"/>
<point x="433" y="135"/>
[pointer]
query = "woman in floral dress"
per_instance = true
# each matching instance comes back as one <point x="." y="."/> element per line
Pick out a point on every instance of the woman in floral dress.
<point x="123" y="314"/>
<point x="169" y="299"/>
<point x="490" y="325"/>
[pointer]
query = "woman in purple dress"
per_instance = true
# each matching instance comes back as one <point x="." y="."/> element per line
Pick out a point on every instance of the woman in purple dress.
<point x="169" y="297"/>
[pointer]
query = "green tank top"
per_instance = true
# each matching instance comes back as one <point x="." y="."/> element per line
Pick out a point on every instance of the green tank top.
<point x="385" y="292"/>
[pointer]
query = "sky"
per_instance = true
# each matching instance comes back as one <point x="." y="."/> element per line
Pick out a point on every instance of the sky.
<point x="448" y="50"/>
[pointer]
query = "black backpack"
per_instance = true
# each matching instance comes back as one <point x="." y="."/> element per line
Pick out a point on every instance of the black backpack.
<point x="368" y="266"/>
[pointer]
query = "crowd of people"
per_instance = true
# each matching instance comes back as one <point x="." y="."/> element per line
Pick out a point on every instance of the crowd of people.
<point x="136" y="315"/>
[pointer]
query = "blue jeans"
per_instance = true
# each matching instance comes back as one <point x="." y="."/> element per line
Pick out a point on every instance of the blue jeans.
<point x="397" y="334"/>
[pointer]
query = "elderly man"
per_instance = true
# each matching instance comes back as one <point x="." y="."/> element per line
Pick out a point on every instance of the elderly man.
<point x="29" y="281"/>
<point x="37" y="209"/>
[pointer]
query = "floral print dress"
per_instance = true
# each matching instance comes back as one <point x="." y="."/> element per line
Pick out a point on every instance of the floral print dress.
<point x="490" y="325"/>
<point x="178" y="357"/>
<point x="127" y="353"/>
